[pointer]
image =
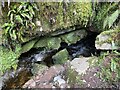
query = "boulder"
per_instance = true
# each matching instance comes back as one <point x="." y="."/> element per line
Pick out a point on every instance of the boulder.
<point x="61" y="57"/>
<point x="108" y="40"/>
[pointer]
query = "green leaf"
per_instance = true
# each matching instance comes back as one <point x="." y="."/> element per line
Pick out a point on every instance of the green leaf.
<point x="11" y="17"/>
<point x="26" y="15"/>
<point x="20" y="7"/>
<point x="18" y="18"/>
<point x="11" y="11"/>
<point x="113" y="18"/>
<point x="14" y="37"/>
<point x="105" y="22"/>
<point x="31" y="10"/>
<point x="113" y="65"/>
<point x="6" y="25"/>
<point x="6" y="30"/>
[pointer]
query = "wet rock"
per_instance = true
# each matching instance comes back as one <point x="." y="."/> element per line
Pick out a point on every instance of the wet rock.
<point x="44" y="79"/>
<point x="61" y="57"/>
<point x="26" y="47"/>
<point x="80" y="65"/>
<point x="85" y="46"/>
<point x="16" y="79"/>
<point x="44" y="56"/>
<point x="108" y="40"/>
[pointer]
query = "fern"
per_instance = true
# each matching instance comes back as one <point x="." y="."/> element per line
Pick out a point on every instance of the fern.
<point x="20" y="22"/>
<point x="111" y="19"/>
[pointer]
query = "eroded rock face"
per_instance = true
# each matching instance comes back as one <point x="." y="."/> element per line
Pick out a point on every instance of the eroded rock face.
<point x="108" y="40"/>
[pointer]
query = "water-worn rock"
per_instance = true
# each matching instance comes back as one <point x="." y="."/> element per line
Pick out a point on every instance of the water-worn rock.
<point x="73" y="37"/>
<point x="108" y="40"/>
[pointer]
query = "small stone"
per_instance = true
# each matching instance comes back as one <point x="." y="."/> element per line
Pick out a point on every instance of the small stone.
<point x="61" y="81"/>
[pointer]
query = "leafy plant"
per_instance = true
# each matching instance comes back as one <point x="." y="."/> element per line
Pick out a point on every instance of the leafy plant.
<point x="8" y="58"/>
<point x="20" y="22"/>
<point x="111" y="19"/>
<point x="105" y="14"/>
<point x="109" y="64"/>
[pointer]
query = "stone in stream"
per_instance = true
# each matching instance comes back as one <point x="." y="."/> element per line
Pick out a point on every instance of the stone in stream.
<point x="61" y="57"/>
<point x="85" y="46"/>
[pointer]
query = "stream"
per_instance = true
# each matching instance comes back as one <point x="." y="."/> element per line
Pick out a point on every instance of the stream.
<point x="15" y="79"/>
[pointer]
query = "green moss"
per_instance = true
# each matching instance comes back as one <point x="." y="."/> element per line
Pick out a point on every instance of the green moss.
<point x="61" y="57"/>
<point x="73" y="37"/>
<point x="53" y="43"/>
<point x="48" y="43"/>
<point x="57" y="15"/>
<point x="8" y="58"/>
<point x="113" y="36"/>
<point x="28" y="46"/>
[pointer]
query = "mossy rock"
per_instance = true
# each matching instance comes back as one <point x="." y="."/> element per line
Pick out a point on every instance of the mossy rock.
<point x="61" y="57"/>
<point x="53" y="43"/>
<point x="58" y="15"/>
<point x="26" y="47"/>
<point x="48" y="43"/>
<point x="108" y="39"/>
<point x="73" y="37"/>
